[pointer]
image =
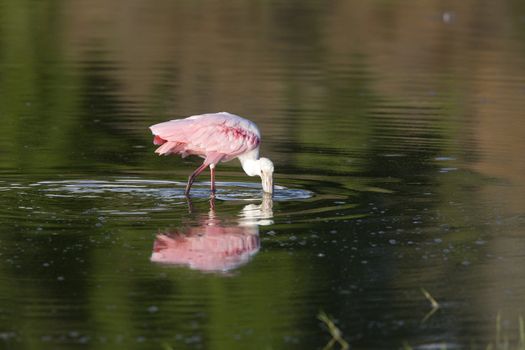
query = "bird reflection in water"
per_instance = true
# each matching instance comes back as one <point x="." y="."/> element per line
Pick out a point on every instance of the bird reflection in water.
<point x="213" y="245"/>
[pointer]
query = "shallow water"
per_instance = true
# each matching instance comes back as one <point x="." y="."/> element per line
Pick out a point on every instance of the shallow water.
<point x="396" y="130"/>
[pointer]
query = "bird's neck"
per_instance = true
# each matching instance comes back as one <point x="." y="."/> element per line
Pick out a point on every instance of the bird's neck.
<point x="250" y="163"/>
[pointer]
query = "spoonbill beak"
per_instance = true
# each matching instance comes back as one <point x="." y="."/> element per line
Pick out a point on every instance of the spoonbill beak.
<point x="267" y="182"/>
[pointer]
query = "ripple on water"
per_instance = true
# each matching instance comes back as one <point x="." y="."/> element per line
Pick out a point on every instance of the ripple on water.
<point x="138" y="198"/>
<point x="161" y="189"/>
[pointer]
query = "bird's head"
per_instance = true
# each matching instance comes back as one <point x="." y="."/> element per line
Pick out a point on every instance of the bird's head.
<point x="266" y="174"/>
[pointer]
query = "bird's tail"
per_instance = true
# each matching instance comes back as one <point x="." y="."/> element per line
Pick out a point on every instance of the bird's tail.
<point x="157" y="140"/>
<point x="169" y="147"/>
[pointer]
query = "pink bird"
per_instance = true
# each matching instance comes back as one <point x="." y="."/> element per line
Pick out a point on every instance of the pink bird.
<point x="216" y="137"/>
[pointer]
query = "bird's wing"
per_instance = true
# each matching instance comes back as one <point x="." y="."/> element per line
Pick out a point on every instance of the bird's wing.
<point x="174" y="130"/>
<point x="221" y="133"/>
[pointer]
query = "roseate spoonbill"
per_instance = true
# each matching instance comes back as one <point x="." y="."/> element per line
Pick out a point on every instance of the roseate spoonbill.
<point x="216" y="137"/>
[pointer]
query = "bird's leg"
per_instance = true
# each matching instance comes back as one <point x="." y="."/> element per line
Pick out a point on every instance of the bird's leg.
<point x="193" y="176"/>
<point x="190" y="205"/>
<point x="212" y="175"/>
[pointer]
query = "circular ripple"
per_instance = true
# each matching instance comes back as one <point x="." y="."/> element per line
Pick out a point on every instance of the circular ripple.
<point x="163" y="189"/>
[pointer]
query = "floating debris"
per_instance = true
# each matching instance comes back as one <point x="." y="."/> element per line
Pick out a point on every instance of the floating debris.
<point x="335" y="332"/>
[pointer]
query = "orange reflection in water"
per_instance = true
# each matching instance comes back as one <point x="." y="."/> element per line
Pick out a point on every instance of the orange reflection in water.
<point x="212" y="245"/>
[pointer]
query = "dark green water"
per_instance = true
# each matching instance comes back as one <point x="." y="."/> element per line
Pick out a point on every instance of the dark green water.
<point x="397" y="132"/>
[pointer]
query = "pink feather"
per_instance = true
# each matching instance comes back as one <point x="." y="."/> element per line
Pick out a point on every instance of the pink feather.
<point x="222" y="133"/>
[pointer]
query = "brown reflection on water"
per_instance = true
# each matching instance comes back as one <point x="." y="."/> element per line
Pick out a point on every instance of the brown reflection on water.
<point x="253" y="59"/>
<point x="212" y="244"/>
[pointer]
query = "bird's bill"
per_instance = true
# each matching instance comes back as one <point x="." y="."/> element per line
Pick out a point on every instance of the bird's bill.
<point x="267" y="182"/>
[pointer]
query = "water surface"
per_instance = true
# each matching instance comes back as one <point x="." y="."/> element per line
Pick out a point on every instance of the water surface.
<point x="396" y="130"/>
